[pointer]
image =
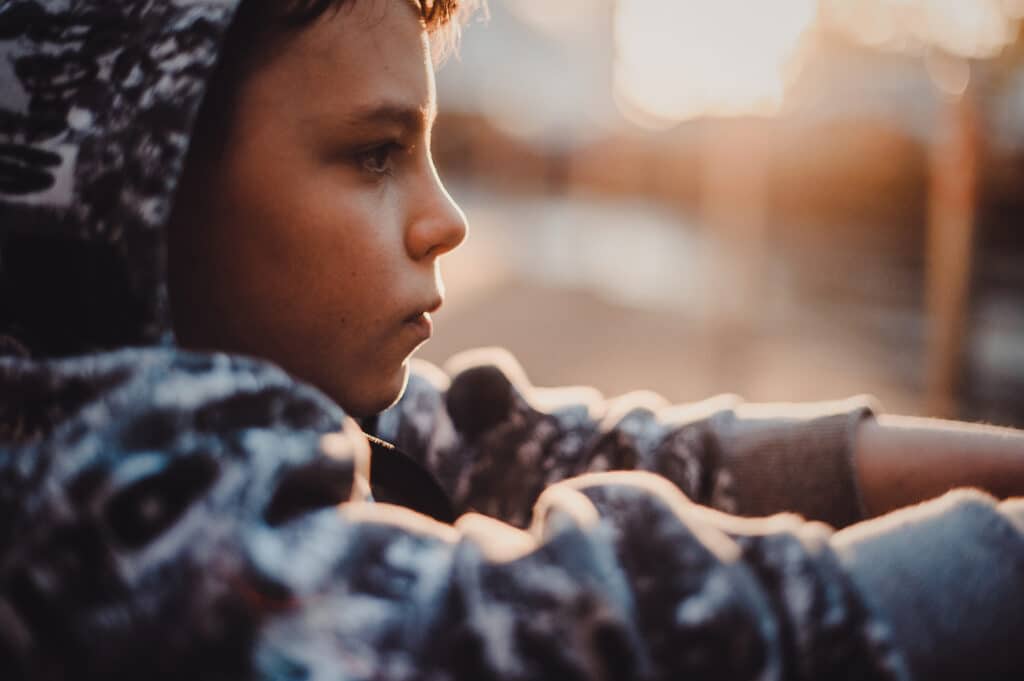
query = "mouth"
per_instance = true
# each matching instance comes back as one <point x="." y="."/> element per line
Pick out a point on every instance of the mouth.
<point x="425" y="310"/>
<point x="420" y="321"/>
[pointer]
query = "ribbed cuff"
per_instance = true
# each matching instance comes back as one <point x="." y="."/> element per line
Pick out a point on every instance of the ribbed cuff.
<point x="795" y="458"/>
<point x="947" y="577"/>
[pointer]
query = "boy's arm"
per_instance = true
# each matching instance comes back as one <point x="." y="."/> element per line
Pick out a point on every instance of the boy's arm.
<point x="901" y="460"/>
<point x="494" y="442"/>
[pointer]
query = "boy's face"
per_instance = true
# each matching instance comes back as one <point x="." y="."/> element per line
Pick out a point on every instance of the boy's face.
<point x="313" y="240"/>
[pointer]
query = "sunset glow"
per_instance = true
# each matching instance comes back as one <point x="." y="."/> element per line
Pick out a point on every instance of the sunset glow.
<point x="966" y="28"/>
<point x="679" y="59"/>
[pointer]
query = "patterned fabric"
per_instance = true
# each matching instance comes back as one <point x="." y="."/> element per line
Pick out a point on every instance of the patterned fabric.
<point x="96" y="104"/>
<point x="173" y="515"/>
<point x="495" y="442"/>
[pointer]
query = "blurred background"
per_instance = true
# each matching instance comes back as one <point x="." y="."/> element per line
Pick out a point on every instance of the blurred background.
<point x="789" y="200"/>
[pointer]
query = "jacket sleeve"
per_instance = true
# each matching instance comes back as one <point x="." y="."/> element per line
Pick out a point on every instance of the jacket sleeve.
<point x="621" y="577"/>
<point x="495" y="442"/>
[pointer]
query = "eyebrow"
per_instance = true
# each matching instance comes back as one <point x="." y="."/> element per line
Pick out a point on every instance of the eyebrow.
<point x="412" y="118"/>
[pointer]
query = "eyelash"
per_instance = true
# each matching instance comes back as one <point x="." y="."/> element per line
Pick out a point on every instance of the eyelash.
<point x="379" y="160"/>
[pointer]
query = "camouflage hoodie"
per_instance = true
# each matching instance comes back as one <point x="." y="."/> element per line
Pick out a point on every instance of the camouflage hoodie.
<point x="181" y="515"/>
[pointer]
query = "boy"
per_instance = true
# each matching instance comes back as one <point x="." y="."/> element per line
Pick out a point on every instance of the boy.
<point x="281" y="163"/>
<point x="177" y="507"/>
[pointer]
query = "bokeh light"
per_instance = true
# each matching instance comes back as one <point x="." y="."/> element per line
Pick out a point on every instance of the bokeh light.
<point x="974" y="29"/>
<point x="680" y="59"/>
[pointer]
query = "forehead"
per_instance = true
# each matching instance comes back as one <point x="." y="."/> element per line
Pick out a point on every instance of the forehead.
<point x="370" y="52"/>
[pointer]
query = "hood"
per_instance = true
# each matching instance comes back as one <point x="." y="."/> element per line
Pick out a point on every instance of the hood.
<point x="97" y="100"/>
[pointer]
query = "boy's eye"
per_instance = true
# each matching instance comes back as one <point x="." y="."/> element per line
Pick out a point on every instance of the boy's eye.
<point x="379" y="160"/>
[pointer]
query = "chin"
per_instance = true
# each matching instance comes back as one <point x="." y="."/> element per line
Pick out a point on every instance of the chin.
<point x="374" y="394"/>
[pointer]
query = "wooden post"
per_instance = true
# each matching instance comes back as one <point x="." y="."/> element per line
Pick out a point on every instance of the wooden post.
<point x="951" y="225"/>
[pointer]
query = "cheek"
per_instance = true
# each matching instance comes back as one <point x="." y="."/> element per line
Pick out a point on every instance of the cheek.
<point x="293" y="231"/>
<point x="322" y="264"/>
<point x="351" y="253"/>
<point x="312" y="267"/>
<point x="358" y="244"/>
<point x="312" y="217"/>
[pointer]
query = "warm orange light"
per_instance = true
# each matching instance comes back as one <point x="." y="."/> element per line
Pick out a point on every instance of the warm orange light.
<point x="966" y="28"/>
<point x="679" y="59"/>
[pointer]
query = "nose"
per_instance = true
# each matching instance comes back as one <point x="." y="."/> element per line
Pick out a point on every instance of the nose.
<point x="436" y="223"/>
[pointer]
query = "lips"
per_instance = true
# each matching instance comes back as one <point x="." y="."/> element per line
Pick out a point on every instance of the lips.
<point x="420" y="323"/>
<point x="421" y="327"/>
<point x="424" y="311"/>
